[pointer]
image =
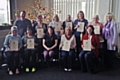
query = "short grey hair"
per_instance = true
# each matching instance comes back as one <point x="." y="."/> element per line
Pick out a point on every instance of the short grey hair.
<point x="14" y="28"/>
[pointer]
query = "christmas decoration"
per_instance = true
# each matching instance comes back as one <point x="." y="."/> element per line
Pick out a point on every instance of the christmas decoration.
<point x="36" y="9"/>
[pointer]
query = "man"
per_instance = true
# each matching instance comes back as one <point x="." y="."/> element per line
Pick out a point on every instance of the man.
<point x="22" y="23"/>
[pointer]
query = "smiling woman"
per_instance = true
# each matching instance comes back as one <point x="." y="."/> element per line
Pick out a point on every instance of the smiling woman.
<point x="4" y="11"/>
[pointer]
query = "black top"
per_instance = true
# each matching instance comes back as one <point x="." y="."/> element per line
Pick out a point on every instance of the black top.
<point x="49" y="40"/>
<point x="44" y="26"/>
<point x="24" y="40"/>
<point x="64" y="25"/>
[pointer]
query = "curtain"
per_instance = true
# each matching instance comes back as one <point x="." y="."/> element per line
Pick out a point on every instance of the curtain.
<point x="72" y="7"/>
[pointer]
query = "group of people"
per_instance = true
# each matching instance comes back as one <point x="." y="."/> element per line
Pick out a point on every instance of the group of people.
<point x="52" y="41"/>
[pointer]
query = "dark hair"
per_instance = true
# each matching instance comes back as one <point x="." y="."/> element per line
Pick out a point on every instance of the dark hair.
<point x="91" y="26"/>
<point x="53" y="32"/>
<point x="39" y="16"/>
<point x="23" y="11"/>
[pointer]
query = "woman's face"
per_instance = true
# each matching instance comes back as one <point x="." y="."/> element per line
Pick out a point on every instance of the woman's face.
<point x="40" y="19"/>
<point x="50" y="31"/>
<point x="109" y="18"/>
<point x="29" y="32"/>
<point x="67" y="31"/>
<point x="55" y="18"/>
<point x="89" y="30"/>
<point x="80" y="15"/>
<point x="14" y="32"/>
<point x="68" y="18"/>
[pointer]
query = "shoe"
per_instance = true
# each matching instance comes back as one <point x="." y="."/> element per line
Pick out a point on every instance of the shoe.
<point x="27" y="70"/>
<point x="33" y="69"/>
<point x="17" y="71"/>
<point x="69" y="70"/>
<point x="10" y="73"/>
<point x="65" y="69"/>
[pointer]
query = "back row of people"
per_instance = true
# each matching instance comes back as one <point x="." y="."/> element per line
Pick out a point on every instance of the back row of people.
<point x="52" y="39"/>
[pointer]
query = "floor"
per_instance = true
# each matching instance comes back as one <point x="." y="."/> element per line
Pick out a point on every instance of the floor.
<point x="56" y="73"/>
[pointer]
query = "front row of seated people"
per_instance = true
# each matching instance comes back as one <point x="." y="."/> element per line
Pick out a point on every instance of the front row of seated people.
<point x="50" y="42"/>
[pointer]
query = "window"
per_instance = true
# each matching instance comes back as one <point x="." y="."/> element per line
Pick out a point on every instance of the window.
<point x="4" y="11"/>
<point x="72" y="7"/>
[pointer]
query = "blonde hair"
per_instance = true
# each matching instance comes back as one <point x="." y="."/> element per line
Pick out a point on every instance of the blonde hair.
<point x="56" y="17"/>
<point x="13" y="28"/>
<point x="79" y="13"/>
<point x="109" y="14"/>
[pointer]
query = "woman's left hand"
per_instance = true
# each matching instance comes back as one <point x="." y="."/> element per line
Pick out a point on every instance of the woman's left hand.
<point x="92" y="47"/>
<point x="113" y="45"/>
<point x="36" y="44"/>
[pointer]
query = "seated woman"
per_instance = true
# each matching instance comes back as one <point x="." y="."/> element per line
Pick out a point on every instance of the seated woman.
<point x="13" y="44"/>
<point x="87" y="58"/>
<point x="29" y="52"/>
<point x="68" y="55"/>
<point x="50" y="42"/>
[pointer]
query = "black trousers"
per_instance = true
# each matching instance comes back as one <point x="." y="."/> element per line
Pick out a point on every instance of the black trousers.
<point x="78" y="46"/>
<point x="30" y="56"/>
<point x="109" y="56"/>
<point x="12" y="59"/>
<point x="40" y="49"/>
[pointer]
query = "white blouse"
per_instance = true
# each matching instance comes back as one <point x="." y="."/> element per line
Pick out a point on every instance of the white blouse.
<point x="72" y="40"/>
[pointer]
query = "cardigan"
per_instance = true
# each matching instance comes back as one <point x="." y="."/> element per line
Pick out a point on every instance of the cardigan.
<point x="94" y="41"/>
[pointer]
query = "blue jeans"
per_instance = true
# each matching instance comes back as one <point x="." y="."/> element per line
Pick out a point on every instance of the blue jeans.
<point x="68" y="57"/>
<point x="87" y="59"/>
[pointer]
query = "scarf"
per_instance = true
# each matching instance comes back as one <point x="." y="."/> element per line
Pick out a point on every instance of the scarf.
<point x="106" y="30"/>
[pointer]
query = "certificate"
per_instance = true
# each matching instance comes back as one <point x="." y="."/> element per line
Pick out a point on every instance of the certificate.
<point x="40" y="33"/>
<point x="87" y="45"/>
<point x="57" y="26"/>
<point x="69" y="24"/>
<point x="81" y="26"/>
<point x="66" y="45"/>
<point x="30" y="43"/>
<point x="14" y="45"/>
<point x="97" y="29"/>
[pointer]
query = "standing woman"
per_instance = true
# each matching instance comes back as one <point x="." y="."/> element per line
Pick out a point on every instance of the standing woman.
<point x="80" y="18"/>
<point x="88" y="58"/>
<point x="40" y="25"/>
<point x="96" y="22"/>
<point x="110" y="35"/>
<point x="68" y="19"/>
<point x="68" y="56"/>
<point x="50" y="42"/>
<point x="13" y="55"/>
